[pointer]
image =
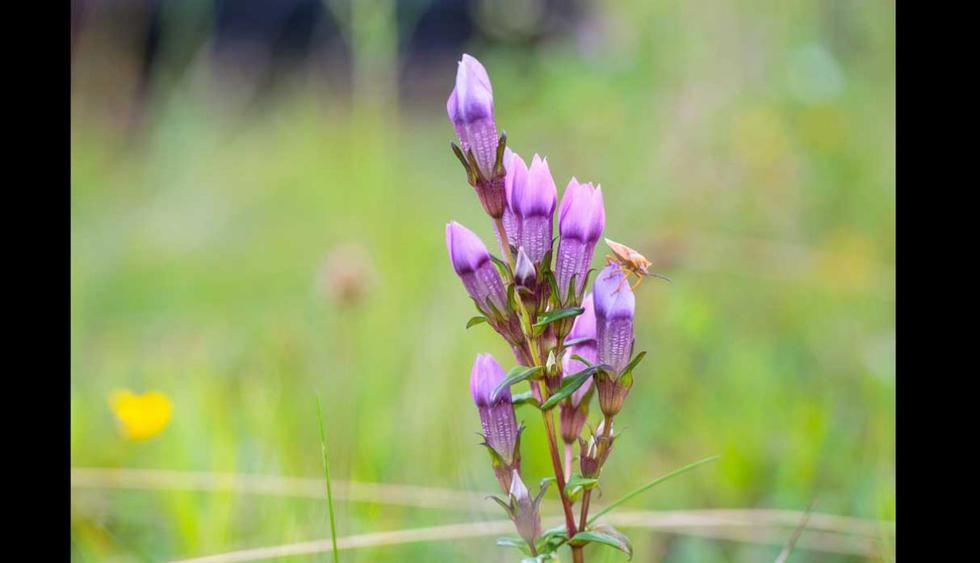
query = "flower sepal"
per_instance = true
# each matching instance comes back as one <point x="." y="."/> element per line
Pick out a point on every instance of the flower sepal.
<point x="503" y="470"/>
<point x="593" y="454"/>
<point x="522" y="509"/>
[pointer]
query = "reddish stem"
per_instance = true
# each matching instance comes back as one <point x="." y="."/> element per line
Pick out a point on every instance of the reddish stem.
<point x="549" y="425"/>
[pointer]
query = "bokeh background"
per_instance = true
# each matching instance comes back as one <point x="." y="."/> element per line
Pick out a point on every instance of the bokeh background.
<point x="259" y="192"/>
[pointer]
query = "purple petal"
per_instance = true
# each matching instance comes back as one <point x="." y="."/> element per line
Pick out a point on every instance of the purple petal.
<point x="582" y="215"/>
<point x="613" y="294"/>
<point x="466" y="250"/>
<point x="484" y="377"/>
<point x="537" y="196"/>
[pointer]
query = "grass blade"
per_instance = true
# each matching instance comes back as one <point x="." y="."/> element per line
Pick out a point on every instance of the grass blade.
<point x="788" y="548"/>
<point x="326" y="476"/>
<point x="650" y="485"/>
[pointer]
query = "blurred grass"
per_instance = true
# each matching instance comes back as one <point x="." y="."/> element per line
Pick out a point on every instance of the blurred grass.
<point x="728" y="152"/>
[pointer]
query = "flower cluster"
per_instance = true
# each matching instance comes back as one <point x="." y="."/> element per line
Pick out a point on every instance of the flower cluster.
<point x="568" y="344"/>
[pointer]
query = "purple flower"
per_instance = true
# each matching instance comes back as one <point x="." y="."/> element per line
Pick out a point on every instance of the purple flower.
<point x="614" y="306"/>
<point x="516" y="174"/>
<point x="581" y="219"/>
<point x="533" y="202"/>
<point x="496" y="413"/>
<point x="472" y="264"/>
<point x="470" y="109"/>
<point x="584" y="328"/>
<point x="524" y="510"/>
<point x="572" y="417"/>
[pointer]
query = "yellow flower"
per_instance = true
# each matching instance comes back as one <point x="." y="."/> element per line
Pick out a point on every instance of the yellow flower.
<point x="141" y="416"/>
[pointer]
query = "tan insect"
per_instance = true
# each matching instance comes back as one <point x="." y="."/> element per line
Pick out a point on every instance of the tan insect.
<point x="629" y="262"/>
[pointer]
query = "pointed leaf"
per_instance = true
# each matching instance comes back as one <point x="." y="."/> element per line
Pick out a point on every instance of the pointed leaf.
<point x="633" y="363"/>
<point x="504" y="267"/>
<point x="506" y="507"/>
<point x="514" y="542"/>
<point x="568" y="386"/>
<point x="552" y="316"/>
<point x="606" y="535"/>
<point x="525" y="398"/>
<point x="579" y="481"/>
<point x="553" y="284"/>
<point x="475" y="321"/>
<point x="516" y="375"/>
<point x="552" y="538"/>
<point x="582" y="360"/>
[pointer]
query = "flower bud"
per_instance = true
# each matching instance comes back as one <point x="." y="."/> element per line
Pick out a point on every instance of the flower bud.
<point x="533" y="202"/>
<point x="524" y="274"/>
<point x="581" y="218"/>
<point x="470" y="109"/>
<point x="472" y="264"/>
<point x="500" y="429"/>
<point x="614" y="307"/>
<point x="525" y="513"/>
<point x="516" y="174"/>
<point x="574" y="414"/>
<point x="593" y="454"/>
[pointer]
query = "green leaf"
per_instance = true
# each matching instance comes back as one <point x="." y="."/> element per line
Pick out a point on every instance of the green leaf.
<point x="503" y="267"/>
<point x="552" y="316"/>
<point x="326" y="477"/>
<point x="579" y="481"/>
<point x="650" y="485"/>
<point x="553" y="284"/>
<point x="476" y="320"/>
<point x="582" y="360"/>
<point x="607" y="535"/>
<point x="552" y="538"/>
<point x="525" y="398"/>
<point x="636" y="360"/>
<point x="502" y="504"/>
<point x="568" y="386"/>
<point x="514" y="542"/>
<point x="573" y="341"/>
<point x="516" y="375"/>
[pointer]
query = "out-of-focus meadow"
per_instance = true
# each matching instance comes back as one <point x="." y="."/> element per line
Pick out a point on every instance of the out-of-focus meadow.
<point x="243" y="252"/>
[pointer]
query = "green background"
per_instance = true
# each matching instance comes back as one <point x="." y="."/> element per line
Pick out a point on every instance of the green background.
<point x="747" y="149"/>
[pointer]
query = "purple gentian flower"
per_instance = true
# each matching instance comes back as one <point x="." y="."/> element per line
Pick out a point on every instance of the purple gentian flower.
<point x="496" y="413"/>
<point x="470" y="109"/>
<point x="500" y="429"/>
<point x="524" y="510"/>
<point x="516" y="174"/>
<point x="614" y="307"/>
<point x="473" y="265"/>
<point x="533" y="202"/>
<point x="581" y="219"/>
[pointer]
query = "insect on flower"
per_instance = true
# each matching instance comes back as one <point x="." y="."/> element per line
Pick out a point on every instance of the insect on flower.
<point x="629" y="262"/>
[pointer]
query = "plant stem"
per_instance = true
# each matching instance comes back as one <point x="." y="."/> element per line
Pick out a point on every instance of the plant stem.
<point x="502" y="233"/>
<point x="549" y="425"/>
<point x="577" y="555"/>
<point x="568" y="461"/>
